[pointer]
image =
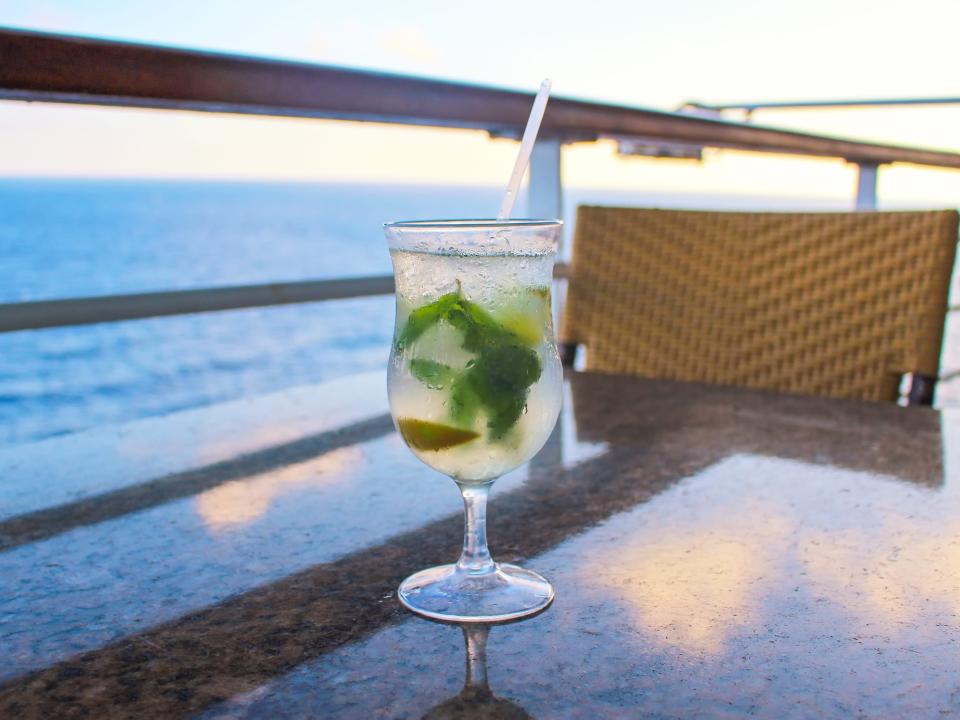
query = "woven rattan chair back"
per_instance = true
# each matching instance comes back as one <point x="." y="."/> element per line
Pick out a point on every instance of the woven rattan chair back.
<point x="834" y="304"/>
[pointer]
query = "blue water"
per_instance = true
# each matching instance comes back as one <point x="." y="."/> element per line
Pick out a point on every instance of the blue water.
<point x="73" y="238"/>
<point x="82" y="237"/>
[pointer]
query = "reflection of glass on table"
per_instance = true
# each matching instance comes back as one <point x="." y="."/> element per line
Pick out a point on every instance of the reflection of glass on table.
<point x="476" y="700"/>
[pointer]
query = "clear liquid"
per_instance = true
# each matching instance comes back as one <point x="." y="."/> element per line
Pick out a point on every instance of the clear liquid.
<point x="515" y="292"/>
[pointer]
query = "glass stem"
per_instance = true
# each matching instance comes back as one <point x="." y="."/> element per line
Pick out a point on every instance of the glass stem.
<point x="475" y="558"/>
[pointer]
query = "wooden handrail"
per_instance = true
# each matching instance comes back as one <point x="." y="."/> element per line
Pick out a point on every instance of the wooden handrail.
<point x="59" y="68"/>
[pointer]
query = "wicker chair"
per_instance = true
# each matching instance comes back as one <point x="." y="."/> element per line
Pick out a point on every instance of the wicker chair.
<point x="834" y="304"/>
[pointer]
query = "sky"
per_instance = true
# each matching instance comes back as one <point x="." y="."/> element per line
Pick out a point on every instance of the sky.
<point x="645" y="53"/>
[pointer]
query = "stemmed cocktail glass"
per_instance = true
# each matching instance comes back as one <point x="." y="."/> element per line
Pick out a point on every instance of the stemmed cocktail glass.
<point x="475" y="387"/>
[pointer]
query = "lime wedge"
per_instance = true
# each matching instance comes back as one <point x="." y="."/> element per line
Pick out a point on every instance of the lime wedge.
<point x="526" y="314"/>
<point x="525" y="327"/>
<point x="426" y="435"/>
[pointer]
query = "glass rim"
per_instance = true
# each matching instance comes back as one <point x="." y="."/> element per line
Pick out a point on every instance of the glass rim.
<point x="471" y="224"/>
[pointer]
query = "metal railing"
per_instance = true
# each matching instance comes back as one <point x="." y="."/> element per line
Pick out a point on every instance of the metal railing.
<point x="108" y="308"/>
<point x="44" y="67"/>
<point x="749" y="107"/>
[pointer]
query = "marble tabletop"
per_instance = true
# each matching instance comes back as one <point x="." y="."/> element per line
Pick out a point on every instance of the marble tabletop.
<point x="716" y="553"/>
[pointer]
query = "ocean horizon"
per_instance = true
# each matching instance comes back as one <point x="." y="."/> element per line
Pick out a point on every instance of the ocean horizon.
<point x="83" y="237"/>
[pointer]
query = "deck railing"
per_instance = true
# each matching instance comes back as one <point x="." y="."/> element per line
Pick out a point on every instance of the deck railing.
<point x="56" y="68"/>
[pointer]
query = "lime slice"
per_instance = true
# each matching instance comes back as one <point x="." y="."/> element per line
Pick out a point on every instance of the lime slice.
<point x="426" y="435"/>
<point x="526" y="314"/>
<point x="523" y="326"/>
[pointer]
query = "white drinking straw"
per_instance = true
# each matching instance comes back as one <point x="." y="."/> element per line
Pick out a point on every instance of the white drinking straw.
<point x="526" y="146"/>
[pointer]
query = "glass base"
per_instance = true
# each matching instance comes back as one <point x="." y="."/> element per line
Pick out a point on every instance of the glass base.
<point x="445" y="593"/>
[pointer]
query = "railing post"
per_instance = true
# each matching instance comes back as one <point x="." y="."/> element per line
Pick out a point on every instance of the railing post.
<point x="545" y="200"/>
<point x="866" y="186"/>
<point x="545" y="194"/>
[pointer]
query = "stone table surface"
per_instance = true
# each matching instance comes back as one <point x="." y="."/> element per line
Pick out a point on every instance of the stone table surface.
<point x="716" y="552"/>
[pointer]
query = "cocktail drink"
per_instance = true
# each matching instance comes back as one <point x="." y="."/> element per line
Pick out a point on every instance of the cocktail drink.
<point x="475" y="386"/>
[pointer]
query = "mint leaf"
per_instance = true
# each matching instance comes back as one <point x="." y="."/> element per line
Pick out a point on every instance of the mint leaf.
<point x="505" y="417"/>
<point x="432" y="374"/>
<point x="498" y="379"/>
<point x="464" y="403"/>
<point x="425" y="317"/>
<point x="501" y="378"/>
<point x="477" y="325"/>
